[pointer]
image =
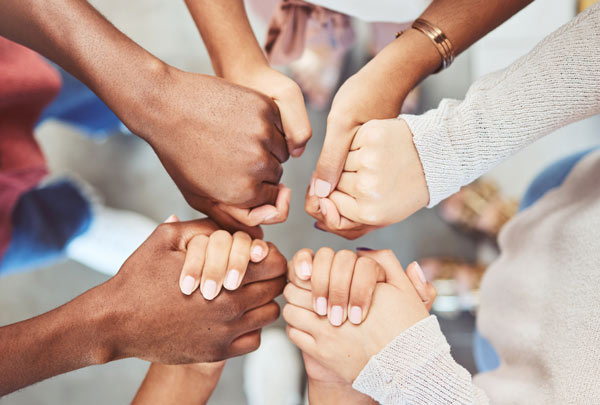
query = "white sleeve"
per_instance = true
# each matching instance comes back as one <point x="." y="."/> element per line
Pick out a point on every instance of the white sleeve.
<point x="555" y="84"/>
<point x="417" y="368"/>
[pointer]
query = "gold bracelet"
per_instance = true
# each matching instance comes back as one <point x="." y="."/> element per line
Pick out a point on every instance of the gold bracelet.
<point x="439" y="39"/>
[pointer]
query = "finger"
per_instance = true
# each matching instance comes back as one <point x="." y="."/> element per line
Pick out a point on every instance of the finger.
<point x="264" y="214"/>
<point x="348" y="184"/>
<point x="300" y="318"/>
<point x="333" y="157"/>
<point x="266" y="193"/>
<point x="298" y="296"/>
<point x="426" y="291"/>
<point x="311" y="203"/>
<point x="302" y="263"/>
<point x="254" y="295"/>
<point x="272" y="171"/>
<point x="244" y="344"/>
<point x="226" y="221"/>
<point x="333" y="218"/>
<point x="353" y="162"/>
<point x="239" y="256"/>
<point x="172" y="218"/>
<point x="366" y="275"/>
<point x="215" y="265"/>
<point x="352" y="232"/>
<point x="258" y="317"/>
<point x="181" y="233"/>
<point x="319" y="280"/>
<point x="340" y="280"/>
<point x="282" y="206"/>
<point x="294" y="119"/>
<point x="365" y="134"/>
<point x="259" y="250"/>
<point x="394" y="273"/>
<point x="305" y="342"/>
<point x="347" y="206"/>
<point x="193" y="264"/>
<point x="279" y="147"/>
<point x="272" y="266"/>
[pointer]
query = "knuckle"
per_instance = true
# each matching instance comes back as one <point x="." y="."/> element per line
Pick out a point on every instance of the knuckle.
<point x="221" y="236"/>
<point x="326" y="251"/>
<point x="346" y="255"/>
<point x="369" y="214"/>
<point x="338" y="293"/>
<point x="167" y="231"/>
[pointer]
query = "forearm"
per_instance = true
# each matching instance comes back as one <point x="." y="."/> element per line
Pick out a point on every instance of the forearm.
<point x="77" y="37"/>
<point x="557" y="83"/>
<point x="179" y="384"/>
<point x="324" y="393"/>
<point x="67" y="338"/>
<point x="228" y="37"/>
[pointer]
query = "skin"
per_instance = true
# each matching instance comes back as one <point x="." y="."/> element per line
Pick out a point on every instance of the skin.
<point x="214" y="137"/>
<point x="381" y="87"/>
<point x="346" y="349"/>
<point x="237" y="57"/>
<point x="140" y="312"/>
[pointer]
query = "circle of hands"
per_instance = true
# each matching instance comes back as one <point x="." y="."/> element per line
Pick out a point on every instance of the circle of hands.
<point x="342" y="307"/>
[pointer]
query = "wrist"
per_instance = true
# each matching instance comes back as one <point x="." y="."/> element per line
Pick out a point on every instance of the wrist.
<point x="323" y="393"/>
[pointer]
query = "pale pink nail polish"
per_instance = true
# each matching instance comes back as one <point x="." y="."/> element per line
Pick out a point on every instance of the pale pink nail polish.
<point x="209" y="289"/>
<point x="304" y="270"/>
<point x="172" y="218"/>
<point x="335" y="317"/>
<point x="420" y="272"/>
<point x="322" y="188"/>
<point x="187" y="285"/>
<point x="233" y="277"/>
<point x="311" y="189"/>
<point x="256" y="253"/>
<point x="322" y="306"/>
<point x="355" y="315"/>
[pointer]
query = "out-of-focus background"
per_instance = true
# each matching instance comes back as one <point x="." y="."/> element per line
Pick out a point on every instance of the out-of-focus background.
<point x="127" y="174"/>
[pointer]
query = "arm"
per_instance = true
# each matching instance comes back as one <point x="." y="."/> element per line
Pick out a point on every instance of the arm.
<point x="236" y="56"/>
<point x="378" y="90"/>
<point x="185" y="384"/>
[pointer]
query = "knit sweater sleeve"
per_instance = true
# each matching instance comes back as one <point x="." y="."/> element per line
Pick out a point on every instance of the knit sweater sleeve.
<point x="555" y="84"/>
<point x="417" y="368"/>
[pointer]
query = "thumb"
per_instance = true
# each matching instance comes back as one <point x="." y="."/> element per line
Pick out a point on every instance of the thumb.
<point x="394" y="273"/>
<point x="295" y="122"/>
<point x="333" y="158"/>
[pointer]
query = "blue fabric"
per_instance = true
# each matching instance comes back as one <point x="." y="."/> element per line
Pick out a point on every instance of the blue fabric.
<point x="79" y="106"/>
<point x="44" y="221"/>
<point x="486" y="358"/>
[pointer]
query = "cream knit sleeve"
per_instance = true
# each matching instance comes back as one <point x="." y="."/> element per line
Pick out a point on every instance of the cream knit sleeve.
<point x="555" y="84"/>
<point x="417" y="368"/>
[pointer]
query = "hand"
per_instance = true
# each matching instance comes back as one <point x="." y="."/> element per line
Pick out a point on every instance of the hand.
<point x="219" y="259"/>
<point x="383" y="181"/>
<point x="152" y="320"/>
<point x="288" y="97"/>
<point x="221" y="143"/>
<point x="377" y="91"/>
<point x="396" y="306"/>
<point x="341" y="283"/>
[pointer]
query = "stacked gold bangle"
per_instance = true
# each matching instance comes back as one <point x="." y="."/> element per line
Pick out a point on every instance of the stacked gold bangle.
<point x="439" y="39"/>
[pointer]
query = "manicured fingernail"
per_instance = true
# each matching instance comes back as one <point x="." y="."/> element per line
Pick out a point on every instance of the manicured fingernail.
<point x="420" y="272"/>
<point x="322" y="306"/>
<point x="322" y="188"/>
<point x="317" y="227"/>
<point x="304" y="270"/>
<point x="322" y="207"/>
<point x="209" y="289"/>
<point x="298" y="151"/>
<point x="355" y="315"/>
<point x="231" y="282"/>
<point x="311" y="189"/>
<point x="364" y="249"/>
<point x="187" y="285"/>
<point x="335" y="317"/>
<point x="172" y="218"/>
<point x="256" y="253"/>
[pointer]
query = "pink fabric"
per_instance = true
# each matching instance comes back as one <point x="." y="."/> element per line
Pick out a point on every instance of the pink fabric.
<point x="286" y="37"/>
<point x="27" y="84"/>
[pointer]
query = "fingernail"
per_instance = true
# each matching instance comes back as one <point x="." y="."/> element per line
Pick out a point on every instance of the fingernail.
<point x="322" y="188"/>
<point x="298" y="151"/>
<point x="364" y="249"/>
<point x="172" y="218"/>
<point x="335" y="317"/>
<point x="311" y="189"/>
<point x="322" y="306"/>
<point x="209" y="289"/>
<point x="187" y="285"/>
<point x="256" y="253"/>
<point x="420" y="272"/>
<point x="231" y="282"/>
<point x="322" y="207"/>
<point x="355" y="315"/>
<point x="305" y="270"/>
<point x="317" y="227"/>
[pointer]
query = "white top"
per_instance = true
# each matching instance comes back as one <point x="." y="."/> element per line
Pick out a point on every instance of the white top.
<point x="540" y="305"/>
<point x="398" y="11"/>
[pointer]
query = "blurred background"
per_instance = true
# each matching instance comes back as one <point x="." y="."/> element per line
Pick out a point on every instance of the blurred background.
<point x="454" y="242"/>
